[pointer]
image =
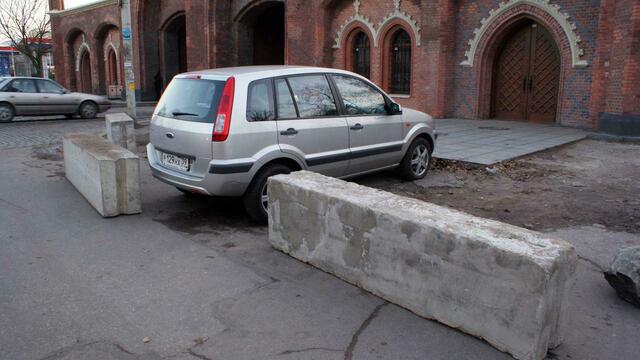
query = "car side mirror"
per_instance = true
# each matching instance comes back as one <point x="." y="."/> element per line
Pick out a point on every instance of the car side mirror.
<point x="395" y="108"/>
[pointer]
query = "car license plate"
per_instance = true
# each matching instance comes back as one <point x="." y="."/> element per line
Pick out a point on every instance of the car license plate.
<point x="175" y="162"/>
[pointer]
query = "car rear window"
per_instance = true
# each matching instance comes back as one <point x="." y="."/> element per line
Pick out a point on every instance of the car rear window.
<point x="191" y="99"/>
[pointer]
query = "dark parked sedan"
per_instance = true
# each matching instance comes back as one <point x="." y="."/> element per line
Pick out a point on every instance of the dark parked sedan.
<point x="37" y="96"/>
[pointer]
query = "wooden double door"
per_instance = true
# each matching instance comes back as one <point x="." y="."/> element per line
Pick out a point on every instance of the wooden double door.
<point x="527" y="75"/>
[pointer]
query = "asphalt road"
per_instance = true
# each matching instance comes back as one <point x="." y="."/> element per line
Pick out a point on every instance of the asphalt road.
<point x="192" y="278"/>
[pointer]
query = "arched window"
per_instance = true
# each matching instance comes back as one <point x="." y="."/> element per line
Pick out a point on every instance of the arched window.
<point x="400" y="70"/>
<point x="361" y="55"/>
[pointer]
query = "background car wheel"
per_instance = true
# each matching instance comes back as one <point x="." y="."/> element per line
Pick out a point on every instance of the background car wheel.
<point x="88" y="110"/>
<point x="256" y="199"/>
<point x="6" y="113"/>
<point x="416" y="161"/>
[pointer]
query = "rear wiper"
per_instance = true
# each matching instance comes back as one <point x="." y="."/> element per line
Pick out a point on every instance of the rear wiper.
<point x="178" y="113"/>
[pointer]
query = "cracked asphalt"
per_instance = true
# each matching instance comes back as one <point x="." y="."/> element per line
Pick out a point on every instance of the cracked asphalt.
<point x="192" y="278"/>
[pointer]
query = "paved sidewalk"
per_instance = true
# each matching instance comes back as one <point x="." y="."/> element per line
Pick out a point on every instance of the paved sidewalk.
<point x="488" y="142"/>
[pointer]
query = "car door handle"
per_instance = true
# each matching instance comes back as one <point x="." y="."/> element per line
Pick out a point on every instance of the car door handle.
<point x="290" y="131"/>
<point x="357" y="127"/>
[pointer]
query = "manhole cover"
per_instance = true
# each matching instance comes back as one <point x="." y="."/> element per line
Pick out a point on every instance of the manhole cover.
<point x="494" y="128"/>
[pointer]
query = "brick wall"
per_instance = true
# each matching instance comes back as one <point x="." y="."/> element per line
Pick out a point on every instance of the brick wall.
<point x="609" y="31"/>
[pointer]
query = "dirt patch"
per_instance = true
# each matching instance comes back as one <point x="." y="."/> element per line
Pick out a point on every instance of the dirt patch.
<point x="589" y="182"/>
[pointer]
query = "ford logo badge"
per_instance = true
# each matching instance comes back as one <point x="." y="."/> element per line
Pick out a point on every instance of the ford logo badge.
<point x="170" y="135"/>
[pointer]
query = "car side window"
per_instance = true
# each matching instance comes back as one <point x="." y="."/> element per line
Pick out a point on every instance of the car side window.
<point x="260" y="101"/>
<point x="22" y="86"/>
<point x="49" y="87"/>
<point x="285" y="105"/>
<point x="313" y="96"/>
<point x="359" y="98"/>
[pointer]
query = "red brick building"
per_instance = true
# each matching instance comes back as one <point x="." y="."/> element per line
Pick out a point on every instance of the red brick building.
<point x="572" y="62"/>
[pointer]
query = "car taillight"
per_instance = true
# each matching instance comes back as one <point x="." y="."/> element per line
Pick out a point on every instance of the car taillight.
<point x="223" y="119"/>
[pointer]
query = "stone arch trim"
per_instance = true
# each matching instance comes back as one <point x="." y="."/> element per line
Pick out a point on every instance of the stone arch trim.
<point x="81" y="50"/>
<point x="376" y="31"/>
<point x="541" y="10"/>
<point x="356" y="20"/>
<point x="399" y="14"/>
<point x="108" y="47"/>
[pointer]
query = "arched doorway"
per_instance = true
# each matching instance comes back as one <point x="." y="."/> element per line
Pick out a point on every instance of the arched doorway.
<point x="85" y="73"/>
<point x="526" y="75"/>
<point x="112" y="66"/>
<point x="261" y="35"/>
<point x="174" y="48"/>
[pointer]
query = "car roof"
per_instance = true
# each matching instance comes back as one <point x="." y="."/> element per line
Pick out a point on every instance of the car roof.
<point x="261" y="71"/>
<point x="23" y="77"/>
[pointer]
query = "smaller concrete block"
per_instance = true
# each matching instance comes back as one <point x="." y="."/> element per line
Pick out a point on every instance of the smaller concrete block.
<point x="501" y="283"/>
<point x="107" y="175"/>
<point x="121" y="130"/>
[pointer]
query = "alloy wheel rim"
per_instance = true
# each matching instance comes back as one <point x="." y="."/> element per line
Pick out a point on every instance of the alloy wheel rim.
<point x="5" y="114"/>
<point x="88" y="111"/>
<point x="419" y="160"/>
<point x="264" y="198"/>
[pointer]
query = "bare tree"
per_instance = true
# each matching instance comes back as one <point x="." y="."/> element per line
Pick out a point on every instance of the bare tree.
<point x="25" y="23"/>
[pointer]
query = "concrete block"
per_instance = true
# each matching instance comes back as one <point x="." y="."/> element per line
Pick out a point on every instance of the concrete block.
<point x="501" y="283"/>
<point x="121" y="130"/>
<point x="107" y="175"/>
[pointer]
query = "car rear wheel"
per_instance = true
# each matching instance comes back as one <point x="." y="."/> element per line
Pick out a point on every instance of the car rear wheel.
<point x="6" y="113"/>
<point x="256" y="199"/>
<point x="417" y="160"/>
<point x="88" y="110"/>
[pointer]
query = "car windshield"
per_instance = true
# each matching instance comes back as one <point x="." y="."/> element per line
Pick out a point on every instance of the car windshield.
<point x="191" y="99"/>
<point x="3" y="81"/>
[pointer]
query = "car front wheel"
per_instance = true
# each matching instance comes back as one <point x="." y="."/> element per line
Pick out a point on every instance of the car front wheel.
<point x="88" y="110"/>
<point x="417" y="160"/>
<point x="256" y="199"/>
<point x="6" y="113"/>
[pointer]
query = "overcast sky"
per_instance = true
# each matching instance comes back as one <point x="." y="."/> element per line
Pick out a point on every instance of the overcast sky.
<point x="73" y="3"/>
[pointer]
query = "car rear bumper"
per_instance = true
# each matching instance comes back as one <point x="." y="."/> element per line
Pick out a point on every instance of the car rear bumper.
<point x="217" y="184"/>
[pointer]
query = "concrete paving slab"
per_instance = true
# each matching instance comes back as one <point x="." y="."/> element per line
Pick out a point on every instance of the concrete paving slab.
<point x="487" y="142"/>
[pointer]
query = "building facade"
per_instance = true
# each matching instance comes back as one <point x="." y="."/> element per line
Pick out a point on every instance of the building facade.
<point x="571" y="62"/>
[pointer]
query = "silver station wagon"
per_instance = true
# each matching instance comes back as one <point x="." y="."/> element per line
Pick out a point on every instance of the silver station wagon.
<point x="223" y="132"/>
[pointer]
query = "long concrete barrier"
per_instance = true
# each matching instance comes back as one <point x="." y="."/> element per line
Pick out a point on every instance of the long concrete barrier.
<point x="107" y="175"/>
<point x="502" y="283"/>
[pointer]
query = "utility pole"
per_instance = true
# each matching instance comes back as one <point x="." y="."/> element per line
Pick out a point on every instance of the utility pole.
<point x="13" y="63"/>
<point x="129" y="76"/>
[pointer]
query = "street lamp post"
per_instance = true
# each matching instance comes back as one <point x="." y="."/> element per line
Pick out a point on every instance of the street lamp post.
<point x="129" y="76"/>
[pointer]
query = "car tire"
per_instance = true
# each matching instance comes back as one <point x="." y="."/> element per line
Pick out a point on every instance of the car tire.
<point x="6" y="113"/>
<point x="416" y="161"/>
<point x="88" y="110"/>
<point x="256" y="199"/>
